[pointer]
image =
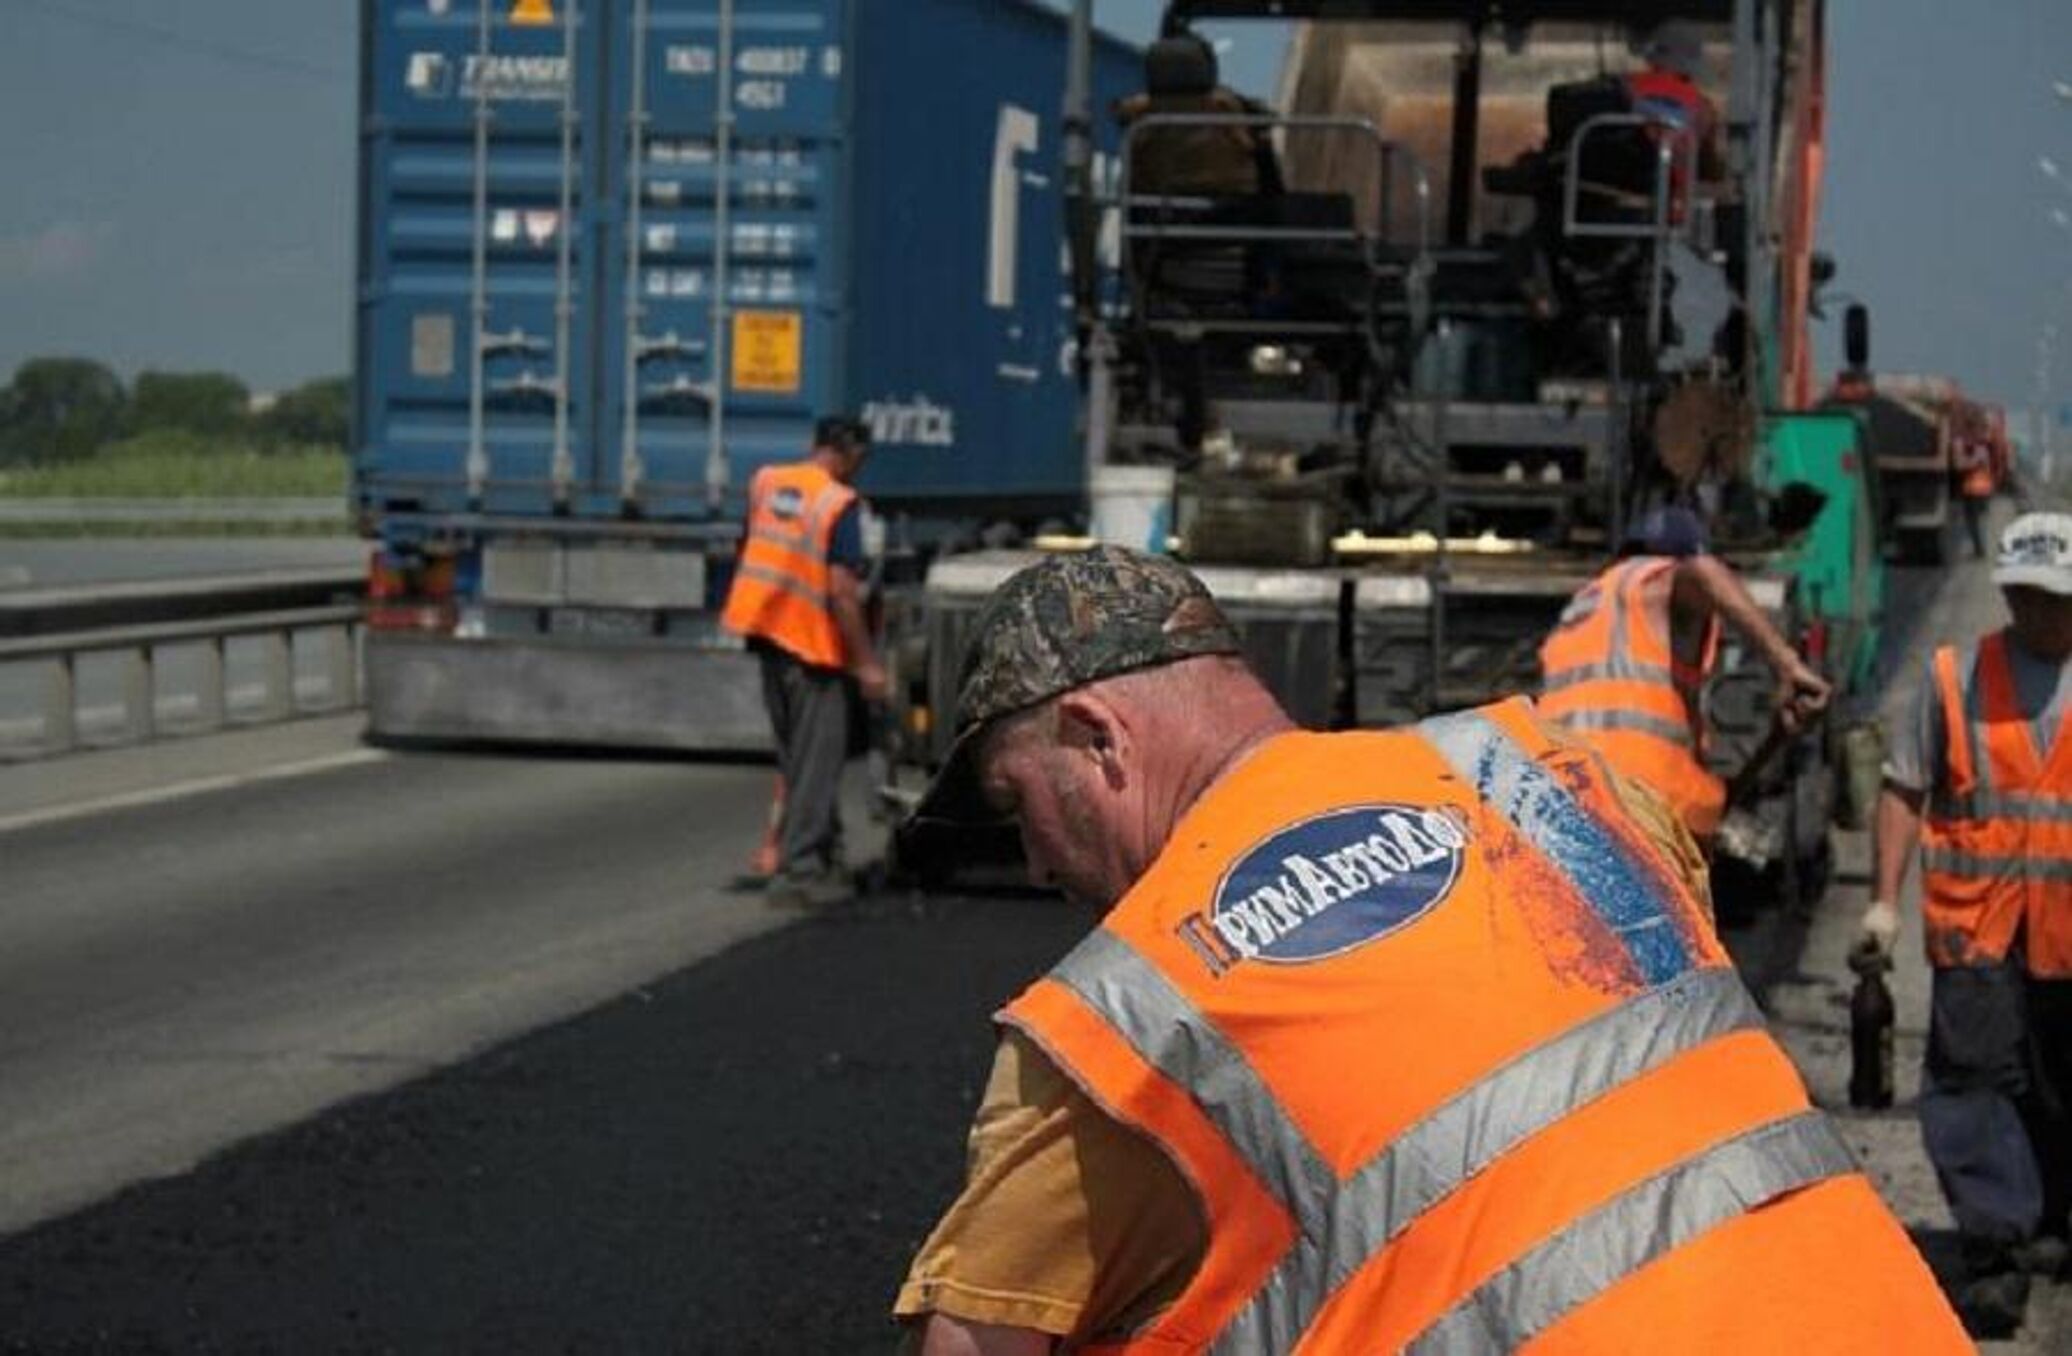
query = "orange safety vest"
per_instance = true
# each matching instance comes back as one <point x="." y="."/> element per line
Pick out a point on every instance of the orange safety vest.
<point x="1454" y="1062"/>
<point x="1996" y="841"/>
<point x="1612" y="676"/>
<point x="781" y="583"/>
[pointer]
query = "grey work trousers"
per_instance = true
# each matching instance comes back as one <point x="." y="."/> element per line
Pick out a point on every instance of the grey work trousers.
<point x="809" y="714"/>
<point x="1993" y="1105"/>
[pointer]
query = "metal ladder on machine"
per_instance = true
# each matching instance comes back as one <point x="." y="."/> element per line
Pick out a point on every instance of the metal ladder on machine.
<point x="638" y="349"/>
<point x="1657" y="231"/>
<point x="484" y="343"/>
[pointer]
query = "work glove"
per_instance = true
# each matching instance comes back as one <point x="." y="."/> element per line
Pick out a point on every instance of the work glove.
<point x="1879" y="929"/>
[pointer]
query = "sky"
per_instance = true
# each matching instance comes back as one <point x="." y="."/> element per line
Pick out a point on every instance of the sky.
<point x="181" y="181"/>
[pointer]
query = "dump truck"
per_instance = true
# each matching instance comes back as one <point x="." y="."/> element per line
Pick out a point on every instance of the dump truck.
<point x="1910" y="427"/>
<point x="1922" y="433"/>
<point x="1409" y="394"/>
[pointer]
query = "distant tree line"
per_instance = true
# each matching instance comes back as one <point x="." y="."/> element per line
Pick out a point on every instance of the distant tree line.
<point x="68" y="409"/>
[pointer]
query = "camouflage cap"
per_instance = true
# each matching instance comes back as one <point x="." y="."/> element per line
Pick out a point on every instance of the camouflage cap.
<point x="1062" y="623"/>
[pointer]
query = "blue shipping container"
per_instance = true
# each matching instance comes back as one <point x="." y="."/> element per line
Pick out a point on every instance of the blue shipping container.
<point x="547" y="324"/>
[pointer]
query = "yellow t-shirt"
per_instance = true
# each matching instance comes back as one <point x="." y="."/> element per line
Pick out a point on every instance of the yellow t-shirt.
<point x="1031" y="1242"/>
<point x="1074" y="1224"/>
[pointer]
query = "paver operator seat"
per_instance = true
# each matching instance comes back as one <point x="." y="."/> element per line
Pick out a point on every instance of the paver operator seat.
<point x="1584" y="278"/>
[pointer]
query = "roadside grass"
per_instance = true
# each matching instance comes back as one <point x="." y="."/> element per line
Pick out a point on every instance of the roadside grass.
<point x="182" y="466"/>
<point x="193" y="527"/>
<point x="175" y="466"/>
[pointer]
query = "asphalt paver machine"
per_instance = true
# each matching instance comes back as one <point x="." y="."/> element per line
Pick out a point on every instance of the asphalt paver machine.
<point x="1480" y="310"/>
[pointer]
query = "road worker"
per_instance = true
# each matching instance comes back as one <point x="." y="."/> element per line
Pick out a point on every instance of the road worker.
<point x="1412" y="1039"/>
<point x="1625" y="665"/>
<point x="1217" y="160"/>
<point x="797" y="600"/>
<point x="1973" y="458"/>
<point x="1981" y="779"/>
<point x="1665" y="91"/>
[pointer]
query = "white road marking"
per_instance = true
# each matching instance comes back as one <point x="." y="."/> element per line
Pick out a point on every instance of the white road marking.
<point x="157" y="795"/>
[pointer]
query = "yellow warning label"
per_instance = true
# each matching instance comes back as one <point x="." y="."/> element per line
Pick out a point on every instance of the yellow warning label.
<point x="767" y="349"/>
<point x="526" y="13"/>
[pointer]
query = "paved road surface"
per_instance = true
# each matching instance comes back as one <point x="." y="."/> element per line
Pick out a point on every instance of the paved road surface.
<point x="312" y="919"/>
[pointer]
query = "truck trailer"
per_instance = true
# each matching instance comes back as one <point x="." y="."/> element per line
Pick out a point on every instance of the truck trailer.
<point x="614" y="255"/>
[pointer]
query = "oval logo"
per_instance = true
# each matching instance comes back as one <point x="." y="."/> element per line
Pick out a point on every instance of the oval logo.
<point x="1321" y="887"/>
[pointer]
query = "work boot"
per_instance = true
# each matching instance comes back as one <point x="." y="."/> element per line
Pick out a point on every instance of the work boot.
<point x="812" y="892"/>
<point x="1992" y="1307"/>
<point x="2044" y="1255"/>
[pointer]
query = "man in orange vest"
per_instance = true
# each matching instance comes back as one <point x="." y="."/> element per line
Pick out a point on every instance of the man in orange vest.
<point x="797" y="600"/>
<point x="1981" y="780"/>
<point x="1625" y="666"/>
<point x="1416" y="1039"/>
<point x="1974" y="466"/>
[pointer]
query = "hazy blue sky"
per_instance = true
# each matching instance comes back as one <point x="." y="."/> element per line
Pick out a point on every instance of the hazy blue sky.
<point x="182" y="192"/>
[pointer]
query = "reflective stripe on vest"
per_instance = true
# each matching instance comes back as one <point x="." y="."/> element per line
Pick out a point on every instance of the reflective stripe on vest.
<point x="1996" y="839"/>
<point x="777" y="579"/>
<point x="2025" y="806"/>
<point x="1956" y="862"/>
<point x="1617" y="669"/>
<point x="1341" y="1224"/>
<point x="1632" y="1230"/>
<point x="1637" y="721"/>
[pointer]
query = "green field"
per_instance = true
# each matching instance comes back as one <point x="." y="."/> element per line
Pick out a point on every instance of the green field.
<point x="177" y="466"/>
<point x="161" y="466"/>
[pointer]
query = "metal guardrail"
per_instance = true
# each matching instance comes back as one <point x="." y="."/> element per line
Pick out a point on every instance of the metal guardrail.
<point x="80" y="607"/>
<point x="57" y="628"/>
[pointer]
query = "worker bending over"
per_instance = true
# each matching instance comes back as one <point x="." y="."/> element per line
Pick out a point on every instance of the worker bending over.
<point x="1405" y="1040"/>
<point x="1981" y="780"/>
<point x="797" y="600"/>
<point x="1625" y="666"/>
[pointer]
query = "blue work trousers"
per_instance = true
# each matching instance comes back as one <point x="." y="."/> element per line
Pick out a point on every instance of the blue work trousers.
<point x="1994" y="1113"/>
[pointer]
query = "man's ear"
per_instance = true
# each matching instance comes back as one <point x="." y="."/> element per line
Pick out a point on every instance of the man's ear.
<point x="1087" y="724"/>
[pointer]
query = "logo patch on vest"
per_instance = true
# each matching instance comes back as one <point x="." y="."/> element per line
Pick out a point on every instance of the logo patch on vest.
<point x="1323" y="886"/>
<point x="787" y="502"/>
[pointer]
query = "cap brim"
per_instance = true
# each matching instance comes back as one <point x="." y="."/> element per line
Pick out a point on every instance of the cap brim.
<point x="954" y="796"/>
<point x="2050" y="578"/>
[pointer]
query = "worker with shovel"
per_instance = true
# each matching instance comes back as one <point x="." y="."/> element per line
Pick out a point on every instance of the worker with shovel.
<point x="1624" y="666"/>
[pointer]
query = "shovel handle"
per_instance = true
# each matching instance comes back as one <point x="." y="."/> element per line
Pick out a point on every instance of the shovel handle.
<point x="1743" y="782"/>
